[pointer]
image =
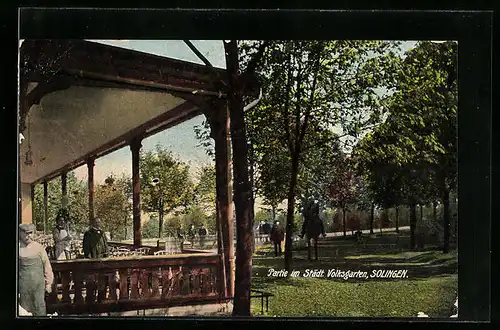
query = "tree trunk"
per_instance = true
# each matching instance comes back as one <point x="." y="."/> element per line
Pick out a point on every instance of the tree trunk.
<point x="343" y="220"/>
<point x="413" y="224"/>
<point x="242" y="189"/>
<point x="421" y="213"/>
<point x="434" y="211"/>
<point x="252" y="198"/>
<point x="446" y="220"/>
<point x="160" y="225"/>
<point x="397" y="219"/>
<point x="290" y="212"/>
<point x="219" y="127"/>
<point x="372" y="216"/>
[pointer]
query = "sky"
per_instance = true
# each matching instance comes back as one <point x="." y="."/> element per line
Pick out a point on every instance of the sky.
<point x="180" y="139"/>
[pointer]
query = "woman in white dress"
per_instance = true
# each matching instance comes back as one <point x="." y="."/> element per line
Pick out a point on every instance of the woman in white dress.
<point x="62" y="239"/>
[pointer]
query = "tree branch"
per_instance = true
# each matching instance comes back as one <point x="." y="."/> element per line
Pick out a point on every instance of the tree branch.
<point x="311" y="98"/>
<point x="297" y="106"/>
<point x="325" y="141"/>
<point x="252" y="64"/>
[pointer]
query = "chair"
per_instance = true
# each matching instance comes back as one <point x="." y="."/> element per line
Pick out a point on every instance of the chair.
<point x="162" y="253"/>
<point x="143" y="250"/>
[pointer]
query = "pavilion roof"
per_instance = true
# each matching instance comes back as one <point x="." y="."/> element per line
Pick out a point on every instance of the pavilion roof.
<point x="81" y="100"/>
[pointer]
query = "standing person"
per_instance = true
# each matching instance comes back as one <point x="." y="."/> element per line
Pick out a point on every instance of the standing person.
<point x="35" y="272"/>
<point x="95" y="244"/>
<point x="277" y="236"/>
<point x="202" y="232"/>
<point x="62" y="238"/>
<point x="312" y="227"/>
<point x="191" y="234"/>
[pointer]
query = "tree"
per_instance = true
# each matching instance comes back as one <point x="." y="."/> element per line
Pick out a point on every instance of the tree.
<point x="202" y="133"/>
<point x="204" y="191"/>
<point x="124" y="185"/>
<point x="317" y="84"/>
<point x="150" y="228"/>
<point x="174" y="189"/>
<point x="341" y="189"/>
<point x="113" y="206"/>
<point x="196" y="216"/>
<point x="419" y="137"/>
<point x="263" y="215"/>
<point x="77" y="203"/>
<point x="239" y="82"/>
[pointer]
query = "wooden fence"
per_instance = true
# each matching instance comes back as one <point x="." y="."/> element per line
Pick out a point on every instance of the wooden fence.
<point x="87" y="286"/>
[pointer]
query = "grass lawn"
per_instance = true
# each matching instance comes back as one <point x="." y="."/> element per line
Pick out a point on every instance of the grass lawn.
<point x="396" y="298"/>
<point x="431" y="286"/>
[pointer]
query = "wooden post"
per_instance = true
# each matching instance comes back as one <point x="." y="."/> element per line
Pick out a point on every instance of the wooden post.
<point x="135" y="147"/>
<point x="90" y="168"/>
<point x="64" y="190"/>
<point x="219" y="120"/>
<point x="33" y="206"/>
<point x="45" y="206"/>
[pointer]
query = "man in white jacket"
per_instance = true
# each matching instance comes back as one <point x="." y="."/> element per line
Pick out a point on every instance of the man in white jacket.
<point x="35" y="272"/>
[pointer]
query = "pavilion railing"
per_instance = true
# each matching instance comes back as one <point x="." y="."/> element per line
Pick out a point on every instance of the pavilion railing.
<point x="90" y="286"/>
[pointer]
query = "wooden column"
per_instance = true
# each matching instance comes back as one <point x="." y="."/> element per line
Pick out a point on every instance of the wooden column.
<point x="90" y="168"/>
<point x="135" y="147"/>
<point x="45" y="206"/>
<point x="64" y="190"/>
<point x="219" y="120"/>
<point x="33" y="206"/>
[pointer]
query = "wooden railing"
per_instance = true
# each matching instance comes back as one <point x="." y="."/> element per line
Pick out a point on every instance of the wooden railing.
<point x="91" y="286"/>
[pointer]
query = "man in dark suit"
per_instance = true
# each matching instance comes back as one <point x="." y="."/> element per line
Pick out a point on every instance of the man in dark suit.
<point x="277" y="236"/>
<point x="95" y="244"/>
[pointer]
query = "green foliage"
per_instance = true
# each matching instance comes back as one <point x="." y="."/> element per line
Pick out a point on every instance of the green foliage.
<point x="310" y="87"/>
<point x="297" y="222"/>
<point x="113" y="206"/>
<point x="202" y="133"/>
<point x="262" y="215"/>
<point x="175" y="190"/>
<point x="411" y="157"/>
<point x="150" y="227"/>
<point x="341" y="187"/>
<point x="196" y="216"/>
<point x="77" y="203"/>
<point x="205" y="190"/>
<point x="328" y="216"/>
